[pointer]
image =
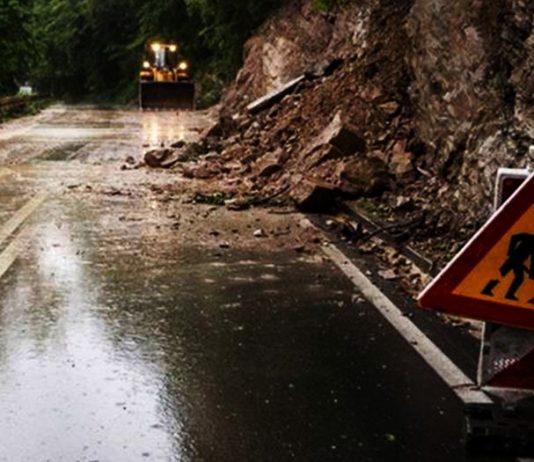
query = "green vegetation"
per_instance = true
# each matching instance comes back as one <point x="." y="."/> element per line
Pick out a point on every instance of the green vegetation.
<point x="89" y="49"/>
<point x="22" y="106"/>
<point x="16" y="51"/>
<point x="323" y="5"/>
<point x="217" y="198"/>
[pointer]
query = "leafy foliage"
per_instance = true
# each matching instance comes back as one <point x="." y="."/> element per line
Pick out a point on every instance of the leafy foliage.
<point x="93" y="48"/>
<point x="323" y="5"/>
<point x="29" y="106"/>
<point x="15" y="31"/>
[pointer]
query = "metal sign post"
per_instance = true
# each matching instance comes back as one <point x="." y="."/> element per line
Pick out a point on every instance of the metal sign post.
<point x="506" y="356"/>
<point x="506" y="363"/>
<point x="492" y="279"/>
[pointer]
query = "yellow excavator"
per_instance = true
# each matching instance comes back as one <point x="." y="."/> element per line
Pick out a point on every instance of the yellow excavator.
<point x="165" y="78"/>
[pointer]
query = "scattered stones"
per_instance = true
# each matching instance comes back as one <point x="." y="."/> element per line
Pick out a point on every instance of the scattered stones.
<point x="269" y="164"/>
<point x="401" y="163"/>
<point x="363" y="176"/>
<point x="202" y="172"/>
<point x="388" y="275"/>
<point x="330" y="224"/>
<point x="155" y="157"/>
<point x="337" y="139"/>
<point x="178" y="144"/>
<point x="394" y="122"/>
<point x="259" y="233"/>
<point x="391" y="107"/>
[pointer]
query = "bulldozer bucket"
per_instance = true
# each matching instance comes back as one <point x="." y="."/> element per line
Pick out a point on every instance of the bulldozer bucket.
<point x="167" y="95"/>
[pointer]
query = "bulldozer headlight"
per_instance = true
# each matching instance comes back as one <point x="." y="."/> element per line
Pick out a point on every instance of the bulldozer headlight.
<point x="146" y="65"/>
<point x="155" y="47"/>
<point x="183" y="66"/>
<point x="173" y="48"/>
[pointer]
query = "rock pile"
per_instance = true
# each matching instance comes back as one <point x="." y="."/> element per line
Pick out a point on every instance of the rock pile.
<point x="414" y="104"/>
<point x="294" y="150"/>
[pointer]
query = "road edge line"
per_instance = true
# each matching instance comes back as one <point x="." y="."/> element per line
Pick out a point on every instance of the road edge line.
<point x="11" y="252"/>
<point x="449" y="372"/>
<point x="11" y="225"/>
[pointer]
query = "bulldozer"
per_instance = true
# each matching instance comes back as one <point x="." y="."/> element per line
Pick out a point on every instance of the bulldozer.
<point x="165" y="78"/>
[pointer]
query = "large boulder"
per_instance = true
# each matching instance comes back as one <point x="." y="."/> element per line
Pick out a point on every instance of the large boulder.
<point x="155" y="158"/>
<point x="270" y="163"/>
<point x="337" y="140"/>
<point x="363" y="177"/>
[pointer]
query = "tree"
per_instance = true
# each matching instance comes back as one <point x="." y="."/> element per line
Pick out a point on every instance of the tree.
<point x="16" y="43"/>
<point x="93" y="48"/>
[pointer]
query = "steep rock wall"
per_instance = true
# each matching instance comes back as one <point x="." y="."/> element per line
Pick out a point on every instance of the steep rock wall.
<point x="297" y="39"/>
<point x="471" y="91"/>
<point x="461" y="73"/>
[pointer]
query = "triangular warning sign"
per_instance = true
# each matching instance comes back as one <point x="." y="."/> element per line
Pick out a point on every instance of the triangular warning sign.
<point x="492" y="278"/>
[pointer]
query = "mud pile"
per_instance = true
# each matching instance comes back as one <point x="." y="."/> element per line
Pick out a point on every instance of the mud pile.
<point x="343" y="130"/>
<point x="410" y="105"/>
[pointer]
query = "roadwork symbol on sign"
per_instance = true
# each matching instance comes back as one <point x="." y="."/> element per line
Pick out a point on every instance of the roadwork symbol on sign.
<point x="492" y="278"/>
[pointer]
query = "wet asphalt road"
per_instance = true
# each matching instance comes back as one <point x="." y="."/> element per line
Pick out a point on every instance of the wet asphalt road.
<point x="121" y="342"/>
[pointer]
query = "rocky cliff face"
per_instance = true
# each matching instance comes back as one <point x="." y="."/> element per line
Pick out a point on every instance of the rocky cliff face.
<point x="471" y="91"/>
<point x="297" y="39"/>
<point x="445" y="87"/>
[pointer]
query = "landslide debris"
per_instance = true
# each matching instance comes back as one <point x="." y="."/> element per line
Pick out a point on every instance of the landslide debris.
<point x="282" y="155"/>
<point x="407" y="107"/>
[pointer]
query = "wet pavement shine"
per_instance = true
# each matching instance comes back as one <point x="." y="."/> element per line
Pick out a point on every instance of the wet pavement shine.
<point x="120" y="341"/>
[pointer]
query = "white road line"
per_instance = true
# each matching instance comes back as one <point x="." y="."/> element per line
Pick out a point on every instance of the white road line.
<point x="20" y="216"/>
<point x="11" y="252"/>
<point x="450" y="373"/>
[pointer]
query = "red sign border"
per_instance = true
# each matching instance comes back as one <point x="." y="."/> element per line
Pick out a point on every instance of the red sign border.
<point x="439" y="296"/>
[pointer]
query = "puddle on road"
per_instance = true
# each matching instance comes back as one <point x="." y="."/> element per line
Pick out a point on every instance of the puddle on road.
<point x="120" y="341"/>
<point x="91" y="124"/>
<point x="112" y="350"/>
<point x="120" y="345"/>
<point x="64" y="126"/>
<point x="69" y="133"/>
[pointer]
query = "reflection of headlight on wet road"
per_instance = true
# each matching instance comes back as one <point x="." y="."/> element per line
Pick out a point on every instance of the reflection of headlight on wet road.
<point x="60" y="264"/>
<point x="159" y="128"/>
<point x="152" y="130"/>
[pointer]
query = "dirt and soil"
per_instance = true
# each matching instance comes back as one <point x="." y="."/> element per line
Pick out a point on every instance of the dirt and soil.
<point x="407" y="108"/>
<point x="81" y="153"/>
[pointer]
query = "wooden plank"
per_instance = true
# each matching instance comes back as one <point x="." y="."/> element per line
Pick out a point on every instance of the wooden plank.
<point x="274" y="96"/>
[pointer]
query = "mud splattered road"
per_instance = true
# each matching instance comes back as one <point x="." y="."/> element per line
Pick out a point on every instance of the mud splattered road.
<point x="136" y="325"/>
